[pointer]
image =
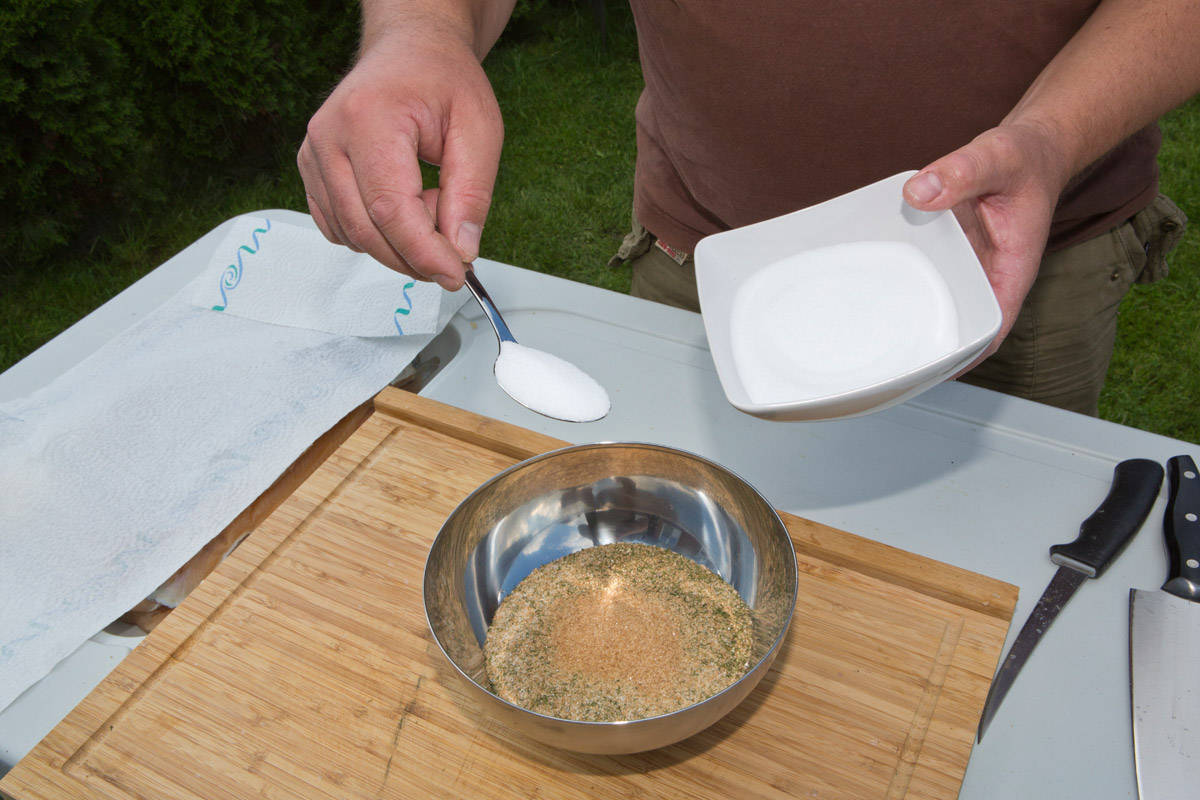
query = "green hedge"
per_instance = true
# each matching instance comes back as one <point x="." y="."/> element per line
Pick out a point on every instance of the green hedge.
<point x="110" y="105"/>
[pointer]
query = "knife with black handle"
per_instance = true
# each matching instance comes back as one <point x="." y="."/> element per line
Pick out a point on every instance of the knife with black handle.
<point x="1181" y="527"/>
<point x="1110" y="528"/>
<point x="1102" y="537"/>
<point x="1164" y="652"/>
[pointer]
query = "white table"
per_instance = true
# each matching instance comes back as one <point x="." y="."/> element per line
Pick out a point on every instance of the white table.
<point x="962" y="475"/>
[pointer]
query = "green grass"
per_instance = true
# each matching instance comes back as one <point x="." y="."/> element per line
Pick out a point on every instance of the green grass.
<point x="565" y="186"/>
<point x="562" y="204"/>
<point x="1154" y="380"/>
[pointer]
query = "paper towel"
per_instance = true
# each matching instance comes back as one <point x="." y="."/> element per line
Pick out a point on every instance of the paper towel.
<point x="116" y="473"/>
<point x="339" y="292"/>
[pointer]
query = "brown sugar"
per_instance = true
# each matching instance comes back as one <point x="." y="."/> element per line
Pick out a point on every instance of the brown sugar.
<point x="618" y="632"/>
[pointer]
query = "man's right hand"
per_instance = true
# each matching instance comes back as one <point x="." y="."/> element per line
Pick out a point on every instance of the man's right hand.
<point x="413" y="95"/>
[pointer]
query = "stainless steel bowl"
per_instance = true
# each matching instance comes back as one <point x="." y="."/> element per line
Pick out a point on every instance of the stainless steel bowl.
<point x="570" y="499"/>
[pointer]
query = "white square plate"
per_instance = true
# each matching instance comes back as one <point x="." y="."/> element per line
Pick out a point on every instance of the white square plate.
<point x="874" y="213"/>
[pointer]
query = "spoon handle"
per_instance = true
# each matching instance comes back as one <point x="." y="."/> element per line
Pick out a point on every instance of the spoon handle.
<point x="489" y="308"/>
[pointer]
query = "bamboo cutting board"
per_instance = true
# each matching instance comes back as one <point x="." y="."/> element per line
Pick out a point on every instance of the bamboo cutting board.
<point x="303" y="666"/>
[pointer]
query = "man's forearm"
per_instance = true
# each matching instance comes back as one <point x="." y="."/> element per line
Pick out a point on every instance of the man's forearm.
<point x="1132" y="61"/>
<point x="478" y="23"/>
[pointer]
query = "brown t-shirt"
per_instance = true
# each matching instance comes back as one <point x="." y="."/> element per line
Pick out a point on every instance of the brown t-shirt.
<point x="752" y="110"/>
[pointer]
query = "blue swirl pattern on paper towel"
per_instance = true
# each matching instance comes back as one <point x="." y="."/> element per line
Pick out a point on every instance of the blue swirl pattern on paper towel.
<point x="232" y="275"/>
<point x="404" y="312"/>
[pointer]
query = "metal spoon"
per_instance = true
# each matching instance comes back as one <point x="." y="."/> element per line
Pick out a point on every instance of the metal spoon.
<point x="489" y="308"/>
<point x="586" y="400"/>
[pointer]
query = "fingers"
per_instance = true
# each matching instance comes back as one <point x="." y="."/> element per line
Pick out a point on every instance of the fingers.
<point x="384" y="201"/>
<point x="368" y="197"/>
<point x="470" y="157"/>
<point x="361" y="168"/>
<point x="1002" y="188"/>
<point x="316" y="196"/>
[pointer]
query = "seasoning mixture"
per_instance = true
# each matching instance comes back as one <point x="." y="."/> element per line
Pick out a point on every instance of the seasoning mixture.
<point x="618" y="632"/>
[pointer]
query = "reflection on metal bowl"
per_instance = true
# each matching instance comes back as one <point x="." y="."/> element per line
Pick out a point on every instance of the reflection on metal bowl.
<point x="578" y="497"/>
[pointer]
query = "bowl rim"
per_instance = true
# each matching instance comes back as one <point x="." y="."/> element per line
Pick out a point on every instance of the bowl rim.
<point x="759" y="666"/>
<point x="858" y="400"/>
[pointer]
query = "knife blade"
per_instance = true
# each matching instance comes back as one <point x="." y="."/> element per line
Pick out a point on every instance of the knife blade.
<point x="1164" y="652"/>
<point x="1102" y="537"/>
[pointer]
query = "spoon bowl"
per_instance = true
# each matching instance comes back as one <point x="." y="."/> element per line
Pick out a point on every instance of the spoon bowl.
<point x="540" y="381"/>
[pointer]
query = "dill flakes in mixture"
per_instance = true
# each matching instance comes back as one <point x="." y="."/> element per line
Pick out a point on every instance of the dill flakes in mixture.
<point x="618" y="632"/>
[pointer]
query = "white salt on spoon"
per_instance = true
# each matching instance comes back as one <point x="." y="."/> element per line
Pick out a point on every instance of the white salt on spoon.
<point x="549" y="385"/>
<point x="541" y="382"/>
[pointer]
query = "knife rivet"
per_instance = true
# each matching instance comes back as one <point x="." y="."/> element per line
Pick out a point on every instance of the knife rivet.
<point x="1188" y="474"/>
<point x="1190" y="517"/>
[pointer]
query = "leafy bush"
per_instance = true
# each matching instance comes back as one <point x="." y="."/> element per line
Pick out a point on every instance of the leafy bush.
<point x="107" y="105"/>
<point x="65" y="125"/>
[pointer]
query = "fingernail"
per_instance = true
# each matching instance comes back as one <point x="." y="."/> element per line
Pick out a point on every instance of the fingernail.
<point x="446" y="282"/>
<point x="468" y="239"/>
<point x="924" y="188"/>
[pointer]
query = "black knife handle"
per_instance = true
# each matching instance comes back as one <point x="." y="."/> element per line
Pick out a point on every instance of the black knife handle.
<point x="1181" y="526"/>
<point x="1104" y="534"/>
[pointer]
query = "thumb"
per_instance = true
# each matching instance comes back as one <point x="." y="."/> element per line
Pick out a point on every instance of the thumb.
<point x="965" y="174"/>
<point x="470" y="159"/>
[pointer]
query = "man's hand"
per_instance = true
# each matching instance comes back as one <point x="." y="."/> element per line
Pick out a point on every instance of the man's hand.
<point x="1003" y="187"/>
<point x="1132" y="61"/>
<point x="413" y="95"/>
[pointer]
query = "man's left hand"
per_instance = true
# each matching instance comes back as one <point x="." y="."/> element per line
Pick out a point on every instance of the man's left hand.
<point x="1003" y="188"/>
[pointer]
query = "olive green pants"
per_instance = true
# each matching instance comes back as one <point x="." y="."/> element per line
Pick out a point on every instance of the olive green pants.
<point x="1060" y="346"/>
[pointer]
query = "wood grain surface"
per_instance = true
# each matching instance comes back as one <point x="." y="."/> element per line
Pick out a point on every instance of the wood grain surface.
<point x="303" y="666"/>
